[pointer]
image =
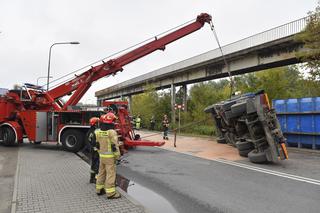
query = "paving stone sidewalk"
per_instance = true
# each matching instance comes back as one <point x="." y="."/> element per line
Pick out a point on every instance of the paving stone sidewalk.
<point x="51" y="180"/>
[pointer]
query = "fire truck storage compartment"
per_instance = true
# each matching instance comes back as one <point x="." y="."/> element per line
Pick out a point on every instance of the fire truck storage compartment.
<point x="35" y="124"/>
<point x="7" y="110"/>
<point x="52" y="125"/>
<point x="71" y="118"/>
<point x="41" y="128"/>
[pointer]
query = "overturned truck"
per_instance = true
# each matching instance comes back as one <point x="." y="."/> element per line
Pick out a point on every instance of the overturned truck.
<point x="250" y="124"/>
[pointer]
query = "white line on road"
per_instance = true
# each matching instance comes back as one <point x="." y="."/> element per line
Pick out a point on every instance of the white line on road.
<point x="257" y="169"/>
<point x="271" y="172"/>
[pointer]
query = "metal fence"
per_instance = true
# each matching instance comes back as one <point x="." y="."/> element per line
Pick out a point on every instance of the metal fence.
<point x="279" y="32"/>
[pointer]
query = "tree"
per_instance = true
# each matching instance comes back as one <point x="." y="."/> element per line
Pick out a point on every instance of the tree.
<point x="311" y="39"/>
<point x="144" y="105"/>
<point x="205" y="94"/>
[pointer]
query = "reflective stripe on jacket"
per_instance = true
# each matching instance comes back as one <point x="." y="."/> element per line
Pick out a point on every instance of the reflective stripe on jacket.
<point x="105" y="139"/>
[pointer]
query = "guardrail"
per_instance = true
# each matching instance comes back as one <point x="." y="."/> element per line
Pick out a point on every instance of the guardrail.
<point x="275" y="33"/>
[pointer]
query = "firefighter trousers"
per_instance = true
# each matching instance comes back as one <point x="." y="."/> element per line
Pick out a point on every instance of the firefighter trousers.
<point x="106" y="178"/>
<point x="95" y="162"/>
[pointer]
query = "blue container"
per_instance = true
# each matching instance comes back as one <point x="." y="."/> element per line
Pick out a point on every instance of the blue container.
<point x="300" y="120"/>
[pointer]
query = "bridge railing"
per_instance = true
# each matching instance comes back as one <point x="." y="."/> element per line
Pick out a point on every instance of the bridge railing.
<point x="279" y="32"/>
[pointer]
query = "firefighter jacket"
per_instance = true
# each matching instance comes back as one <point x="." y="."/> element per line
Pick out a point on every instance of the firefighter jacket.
<point x="108" y="143"/>
<point x="91" y="137"/>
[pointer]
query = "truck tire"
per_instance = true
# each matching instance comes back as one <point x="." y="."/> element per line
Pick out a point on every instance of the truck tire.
<point x="221" y="140"/>
<point x="257" y="157"/>
<point x="244" y="145"/>
<point x="72" y="140"/>
<point x="8" y="136"/>
<point x="137" y="137"/>
<point x="244" y="153"/>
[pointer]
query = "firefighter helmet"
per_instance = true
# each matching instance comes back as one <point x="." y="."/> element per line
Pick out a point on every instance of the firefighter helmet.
<point x="93" y="121"/>
<point x="108" y="118"/>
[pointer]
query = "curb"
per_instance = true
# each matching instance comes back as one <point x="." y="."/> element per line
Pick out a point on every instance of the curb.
<point x="15" y="186"/>
<point x="132" y="200"/>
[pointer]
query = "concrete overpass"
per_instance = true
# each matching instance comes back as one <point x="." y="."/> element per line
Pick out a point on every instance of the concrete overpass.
<point x="272" y="48"/>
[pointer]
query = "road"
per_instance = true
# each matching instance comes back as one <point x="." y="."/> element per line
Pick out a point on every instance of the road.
<point x="8" y="162"/>
<point x="193" y="184"/>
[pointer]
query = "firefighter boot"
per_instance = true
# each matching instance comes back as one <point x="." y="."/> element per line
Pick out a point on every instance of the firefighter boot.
<point x="116" y="195"/>
<point x="101" y="192"/>
<point x="92" y="178"/>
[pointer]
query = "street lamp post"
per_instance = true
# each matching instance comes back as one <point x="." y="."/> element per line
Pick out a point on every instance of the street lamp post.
<point x="48" y="76"/>
<point x="42" y="77"/>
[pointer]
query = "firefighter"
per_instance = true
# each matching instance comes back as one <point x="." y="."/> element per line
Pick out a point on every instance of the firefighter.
<point x="165" y="124"/>
<point x="91" y="138"/>
<point x="138" y="122"/>
<point x="109" y="153"/>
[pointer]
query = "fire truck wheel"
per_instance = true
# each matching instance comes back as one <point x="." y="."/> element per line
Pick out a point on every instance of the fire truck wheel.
<point x="37" y="142"/>
<point x="8" y="136"/>
<point x="72" y="140"/>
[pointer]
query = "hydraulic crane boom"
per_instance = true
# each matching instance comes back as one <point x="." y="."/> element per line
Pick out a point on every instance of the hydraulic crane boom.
<point x="29" y="111"/>
<point x="80" y="84"/>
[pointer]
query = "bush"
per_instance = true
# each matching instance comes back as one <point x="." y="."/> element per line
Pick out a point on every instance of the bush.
<point x="201" y="130"/>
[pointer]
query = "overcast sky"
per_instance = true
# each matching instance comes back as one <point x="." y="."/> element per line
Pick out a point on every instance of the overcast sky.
<point x="103" y="27"/>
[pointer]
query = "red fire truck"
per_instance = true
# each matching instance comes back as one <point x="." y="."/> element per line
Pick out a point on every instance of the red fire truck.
<point x="39" y="115"/>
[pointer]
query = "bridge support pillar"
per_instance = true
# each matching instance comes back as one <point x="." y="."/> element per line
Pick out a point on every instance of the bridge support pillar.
<point x="129" y="97"/>
<point x="173" y="102"/>
<point x="185" y="96"/>
<point x="99" y="102"/>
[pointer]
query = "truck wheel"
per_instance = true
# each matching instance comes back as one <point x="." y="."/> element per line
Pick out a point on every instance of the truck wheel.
<point x="221" y="140"/>
<point x="244" y="145"/>
<point x="137" y="137"/>
<point x="37" y="142"/>
<point x="8" y="136"/>
<point x="72" y="140"/>
<point x="257" y="157"/>
<point x="244" y="153"/>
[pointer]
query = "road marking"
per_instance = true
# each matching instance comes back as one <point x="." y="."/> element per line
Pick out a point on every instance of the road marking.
<point x="271" y="172"/>
<point x="254" y="168"/>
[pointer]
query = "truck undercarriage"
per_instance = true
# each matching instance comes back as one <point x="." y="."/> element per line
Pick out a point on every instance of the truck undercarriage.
<point x="248" y="123"/>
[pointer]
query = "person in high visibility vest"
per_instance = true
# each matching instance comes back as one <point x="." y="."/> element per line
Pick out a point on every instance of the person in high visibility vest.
<point x="91" y="142"/>
<point x="138" y="122"/>
<point x="109" y="153"/>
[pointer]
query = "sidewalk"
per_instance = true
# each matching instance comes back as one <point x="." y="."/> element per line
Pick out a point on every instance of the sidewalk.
<point x="204" y="147"/>
<point x="51" y="180"/>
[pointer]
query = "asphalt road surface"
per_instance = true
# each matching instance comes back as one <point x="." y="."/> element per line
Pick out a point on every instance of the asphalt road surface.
<point x="8" y="162"/>
<point x="192" y="184"/>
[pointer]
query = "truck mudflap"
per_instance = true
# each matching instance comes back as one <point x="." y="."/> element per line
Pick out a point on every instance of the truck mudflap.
<point x="132" y="143"/>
